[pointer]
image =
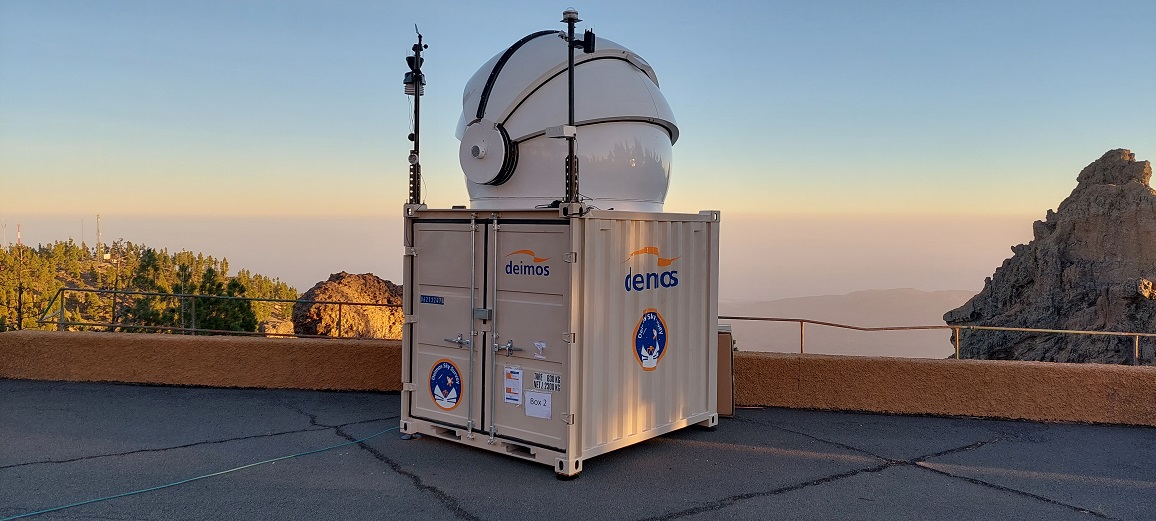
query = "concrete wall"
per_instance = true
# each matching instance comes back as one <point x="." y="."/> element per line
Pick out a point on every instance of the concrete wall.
<point x="1020" y="390"/>
<point x="1041" y="391"/>
<point x="215" y="361"/>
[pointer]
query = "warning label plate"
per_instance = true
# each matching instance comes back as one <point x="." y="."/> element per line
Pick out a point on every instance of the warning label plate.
<point x="551" y="383"/>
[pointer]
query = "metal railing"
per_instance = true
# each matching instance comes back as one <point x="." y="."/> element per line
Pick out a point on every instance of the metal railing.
<point x="59" y="302"/>
<point x="55" y="313"/>
<point x="955" y="329"/>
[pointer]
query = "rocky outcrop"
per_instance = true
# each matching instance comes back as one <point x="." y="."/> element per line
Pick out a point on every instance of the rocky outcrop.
<point x="275" y="326"/>
<point x="1090" y="266"/>
<point x="370" y="308"/>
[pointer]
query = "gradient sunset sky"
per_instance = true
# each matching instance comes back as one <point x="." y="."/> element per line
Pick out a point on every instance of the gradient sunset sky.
<point x="850" y="145"/>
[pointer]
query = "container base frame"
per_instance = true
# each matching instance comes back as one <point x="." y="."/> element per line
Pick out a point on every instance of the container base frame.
<point x="563" y="464"/>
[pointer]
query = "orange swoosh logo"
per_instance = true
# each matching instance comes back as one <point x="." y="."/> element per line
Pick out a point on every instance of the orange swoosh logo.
<point x="653" y="250"/>
<point x="530" y="253"/>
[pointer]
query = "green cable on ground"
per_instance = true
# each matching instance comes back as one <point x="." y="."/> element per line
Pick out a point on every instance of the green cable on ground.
<point x="183" y="481"/>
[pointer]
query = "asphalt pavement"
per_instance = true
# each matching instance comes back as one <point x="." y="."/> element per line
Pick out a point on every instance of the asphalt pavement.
<point x="158" y="453"/>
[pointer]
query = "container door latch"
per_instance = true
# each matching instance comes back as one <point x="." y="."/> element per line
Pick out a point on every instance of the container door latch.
<point x="509" y="347"/>
<point x="461" y="341"/>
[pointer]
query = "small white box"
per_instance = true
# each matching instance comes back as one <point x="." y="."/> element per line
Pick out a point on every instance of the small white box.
<point x="561" y="131"/>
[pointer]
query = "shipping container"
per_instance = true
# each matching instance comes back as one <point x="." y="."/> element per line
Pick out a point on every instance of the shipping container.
<point x="558" y="338"/>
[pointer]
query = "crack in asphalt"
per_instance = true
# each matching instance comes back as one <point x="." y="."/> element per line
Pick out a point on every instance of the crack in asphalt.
<point x="312" y="417"/>
<point x="1017" y="492"/>
<point x="916" y="462"/>
<point x="440" y="495"/>
<point x="731" y="500"/>
<point x="313" y="428"/>
<point x="156" y="449"/>
<point x="818" y="439"/>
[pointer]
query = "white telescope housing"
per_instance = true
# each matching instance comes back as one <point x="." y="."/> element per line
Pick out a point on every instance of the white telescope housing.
<point x="515" y="107"/>
<point x="557" y="333"/>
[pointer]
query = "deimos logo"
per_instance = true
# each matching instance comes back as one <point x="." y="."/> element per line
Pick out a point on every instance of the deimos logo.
<point x="654" y="279"/>
<point x="650" y="339"/>
<point x="534" y="269"/>
<point x="445" y="384"/>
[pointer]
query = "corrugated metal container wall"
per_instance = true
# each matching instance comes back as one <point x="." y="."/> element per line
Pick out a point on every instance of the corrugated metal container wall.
<point x="562" y="337"/>
<point x="648" y="284"/>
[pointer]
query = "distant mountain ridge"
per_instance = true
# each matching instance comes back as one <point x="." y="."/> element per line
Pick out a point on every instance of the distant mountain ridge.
<point x="870" y="308"/>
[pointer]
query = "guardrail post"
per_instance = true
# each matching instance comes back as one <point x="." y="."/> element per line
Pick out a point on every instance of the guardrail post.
<point x="1136" y="352"/>
<point x="20" y="306"/>
<point x="801" y="337"/>
<point x="60" y="319"/>
<point x="957" y="343"/>
<point x="114" y="303"/>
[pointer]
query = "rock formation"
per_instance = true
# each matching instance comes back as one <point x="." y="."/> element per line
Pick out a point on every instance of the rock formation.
<point x="1090" y="266"/>
<point x="312" y="317"/>
<point x="276" y="326"/>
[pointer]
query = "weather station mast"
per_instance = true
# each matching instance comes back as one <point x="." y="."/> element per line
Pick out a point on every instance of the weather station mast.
<point x="414" y="82"/>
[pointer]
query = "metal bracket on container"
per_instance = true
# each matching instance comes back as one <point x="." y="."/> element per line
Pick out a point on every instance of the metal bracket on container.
<point x="411" y="251"/>
<point x="408" y="387"/>
<point x="411" y="319"/>
<point x="568" y="419"/>
<point x="573" y="209"/>
<point x="569" y="338"/>
<point x="483" y="314"/>
<point x="570" y="257"/>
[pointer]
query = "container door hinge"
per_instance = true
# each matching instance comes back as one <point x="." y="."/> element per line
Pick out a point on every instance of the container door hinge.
<point x="408" y="387"/>
<point x="568" y="419"/>
<point x="570" y="257"/>
<point x="411" y="251"/>
<point x="410" y="319"/>
<point x="569" y="338"/>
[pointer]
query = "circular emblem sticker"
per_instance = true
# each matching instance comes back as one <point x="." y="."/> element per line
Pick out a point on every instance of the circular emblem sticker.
<point x="445" y="384"/>
<point x="650" y="339"/>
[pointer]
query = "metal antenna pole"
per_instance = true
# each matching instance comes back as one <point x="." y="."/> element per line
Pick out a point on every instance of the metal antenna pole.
<point x="570" y="17"/>
<point x="20" y="282"/>
<point x="415" y="85"/>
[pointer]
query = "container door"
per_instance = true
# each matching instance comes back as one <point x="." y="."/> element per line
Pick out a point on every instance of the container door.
<point x="446" y="360"/>
<point x="528" y="284"/>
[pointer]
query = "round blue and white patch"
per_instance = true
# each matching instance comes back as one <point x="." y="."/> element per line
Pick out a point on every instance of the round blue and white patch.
<point x="445" y="384"/>
<point x="650" y="339"/>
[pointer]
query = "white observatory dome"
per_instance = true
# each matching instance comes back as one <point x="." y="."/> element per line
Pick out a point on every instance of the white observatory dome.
<point x="625" y="128"/>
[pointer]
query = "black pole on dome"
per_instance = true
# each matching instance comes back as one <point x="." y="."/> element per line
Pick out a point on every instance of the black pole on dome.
<point x="570" y="17"/>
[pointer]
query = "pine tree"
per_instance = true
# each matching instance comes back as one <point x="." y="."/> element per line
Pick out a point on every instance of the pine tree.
<point x="31" y="277"/>
<point x="223" y="314"/>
